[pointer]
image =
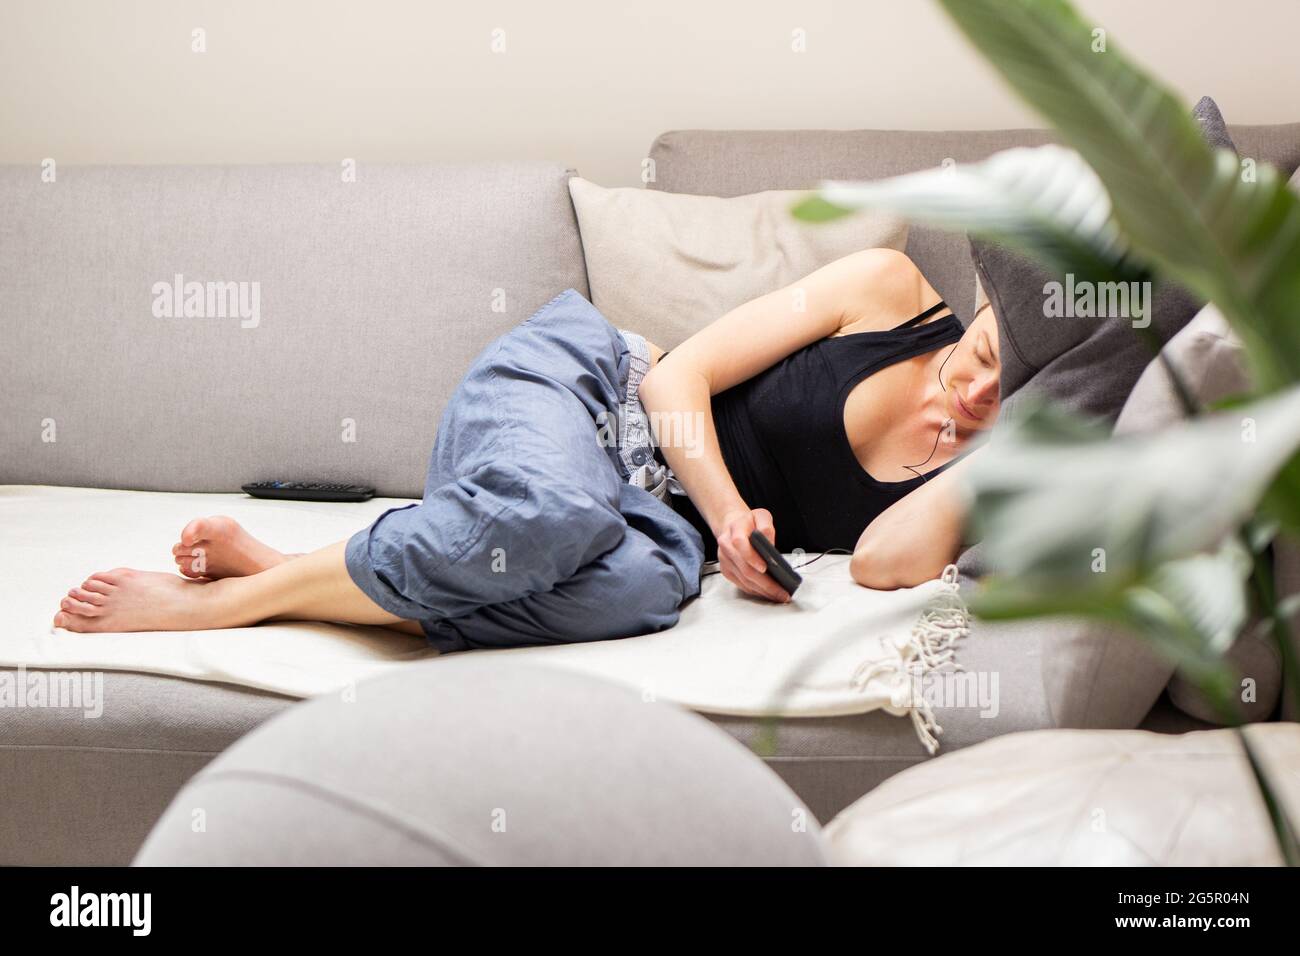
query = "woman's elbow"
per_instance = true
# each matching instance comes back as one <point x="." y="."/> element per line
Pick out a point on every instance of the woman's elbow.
<point x="649" y="388"/>
<point x="871" y="567"/>
<point x="661" y="386"/>
<point x="885" y="569"/>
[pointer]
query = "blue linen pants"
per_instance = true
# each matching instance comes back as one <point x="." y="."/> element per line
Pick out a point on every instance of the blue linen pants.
<point x="528" y="532"/>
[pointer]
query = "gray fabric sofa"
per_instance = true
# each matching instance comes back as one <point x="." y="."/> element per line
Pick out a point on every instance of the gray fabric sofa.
<point x="374" y="296"/>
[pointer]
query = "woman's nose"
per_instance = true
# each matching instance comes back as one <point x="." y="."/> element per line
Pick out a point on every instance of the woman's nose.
<point x="984" y="390"/>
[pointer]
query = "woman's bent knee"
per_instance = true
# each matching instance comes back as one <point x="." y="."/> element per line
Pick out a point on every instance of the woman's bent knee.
<point x="633" y="589"/>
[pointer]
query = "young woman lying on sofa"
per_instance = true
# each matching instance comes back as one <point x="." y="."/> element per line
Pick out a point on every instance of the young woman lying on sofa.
<point x="830" y="412"/>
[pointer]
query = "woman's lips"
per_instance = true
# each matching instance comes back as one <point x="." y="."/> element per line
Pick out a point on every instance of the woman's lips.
<point x="965" y="409"/>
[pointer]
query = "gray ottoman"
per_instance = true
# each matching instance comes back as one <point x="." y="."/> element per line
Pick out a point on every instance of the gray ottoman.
<point x="481" y="761"/>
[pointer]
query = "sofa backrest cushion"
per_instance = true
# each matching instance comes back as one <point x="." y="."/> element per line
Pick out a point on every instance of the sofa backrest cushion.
<point x="331" y="323"/>
<point x="733" y="162"/>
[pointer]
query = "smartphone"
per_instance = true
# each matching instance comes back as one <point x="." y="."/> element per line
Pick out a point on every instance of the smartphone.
<point x="777" y="567"/>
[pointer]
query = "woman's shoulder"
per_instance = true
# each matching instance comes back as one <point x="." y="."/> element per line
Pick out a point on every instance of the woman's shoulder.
<point x="886" y="289"/>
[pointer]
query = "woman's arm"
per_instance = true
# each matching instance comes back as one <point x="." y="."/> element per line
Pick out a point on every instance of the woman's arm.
<point x="915" y="538"/>
<point x="864" y="289"/>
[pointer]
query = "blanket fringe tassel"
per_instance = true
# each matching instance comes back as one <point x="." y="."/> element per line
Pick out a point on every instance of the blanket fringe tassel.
<point x="930" y="648"/>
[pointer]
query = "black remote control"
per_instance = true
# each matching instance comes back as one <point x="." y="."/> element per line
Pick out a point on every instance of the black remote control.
<point x="309" y="491"/>
<point x="777" y="566"/>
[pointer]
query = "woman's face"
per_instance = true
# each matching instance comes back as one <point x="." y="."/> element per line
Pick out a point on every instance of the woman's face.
<point x="972" y="373"/>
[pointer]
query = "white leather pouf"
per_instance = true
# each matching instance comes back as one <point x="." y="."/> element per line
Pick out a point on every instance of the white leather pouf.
<point x="1078" y="798"/>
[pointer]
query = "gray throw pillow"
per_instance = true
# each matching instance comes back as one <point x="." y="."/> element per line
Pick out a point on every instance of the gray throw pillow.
<point x="1088" y="365"/>
<point x="1210" y="362"/>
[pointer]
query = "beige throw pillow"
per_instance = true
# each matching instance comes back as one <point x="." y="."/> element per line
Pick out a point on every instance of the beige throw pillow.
<point x="667" y="264"/>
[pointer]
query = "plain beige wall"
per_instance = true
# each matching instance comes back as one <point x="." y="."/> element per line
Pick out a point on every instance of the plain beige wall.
<point x="588" y="82"/>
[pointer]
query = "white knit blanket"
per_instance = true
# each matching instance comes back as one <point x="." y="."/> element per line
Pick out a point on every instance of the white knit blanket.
<point x="836" y="649"/>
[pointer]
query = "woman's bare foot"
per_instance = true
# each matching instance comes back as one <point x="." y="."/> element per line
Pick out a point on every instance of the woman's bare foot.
<point x="219" y="547"/>
<point x="312" y="587"/>
<point x="128" y="600"/>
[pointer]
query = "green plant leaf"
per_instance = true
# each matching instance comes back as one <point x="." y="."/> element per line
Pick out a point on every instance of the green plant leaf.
<point x="1208" y="592"/>
<point x="1289" y="606"/>
<point x="1183" y="208"/>
<point x="1282" y="502"/>
<point x="1050" y="510"/>
<point x="815" y="208"/>
<point x="1045" y="201"/>
<point x="1259" y="533"/>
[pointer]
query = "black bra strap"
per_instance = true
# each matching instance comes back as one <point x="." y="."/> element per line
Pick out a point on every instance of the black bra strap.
<point x="906" y="325"/>
<point x="938" y="306"/>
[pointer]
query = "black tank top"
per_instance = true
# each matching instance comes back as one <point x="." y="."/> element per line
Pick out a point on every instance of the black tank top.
<point x="783" y="440"/>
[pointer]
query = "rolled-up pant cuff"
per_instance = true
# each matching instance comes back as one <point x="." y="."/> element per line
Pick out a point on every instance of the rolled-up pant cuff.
<point x="356" y="555"/>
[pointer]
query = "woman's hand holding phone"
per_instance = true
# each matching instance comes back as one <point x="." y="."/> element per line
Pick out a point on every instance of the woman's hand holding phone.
<point x="739" y="562"/>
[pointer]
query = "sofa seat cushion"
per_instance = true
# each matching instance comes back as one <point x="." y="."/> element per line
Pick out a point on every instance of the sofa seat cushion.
<point x="111" y="772"/>
<point x="1078" y="798"/>
<point x="861" y="650"/>
<point x="857" y="650"/>
<point x="147" y="733"/>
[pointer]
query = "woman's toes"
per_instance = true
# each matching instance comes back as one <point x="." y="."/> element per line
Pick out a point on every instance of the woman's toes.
<point x="73" y="606"/>
<point x="87" y="597"/>
<point x="193" y="532"/>
<point x="222" y="526"/>
<point x="73" y="622"/>
<point x="114" y="577"/>
<point x="98" y="586"/>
